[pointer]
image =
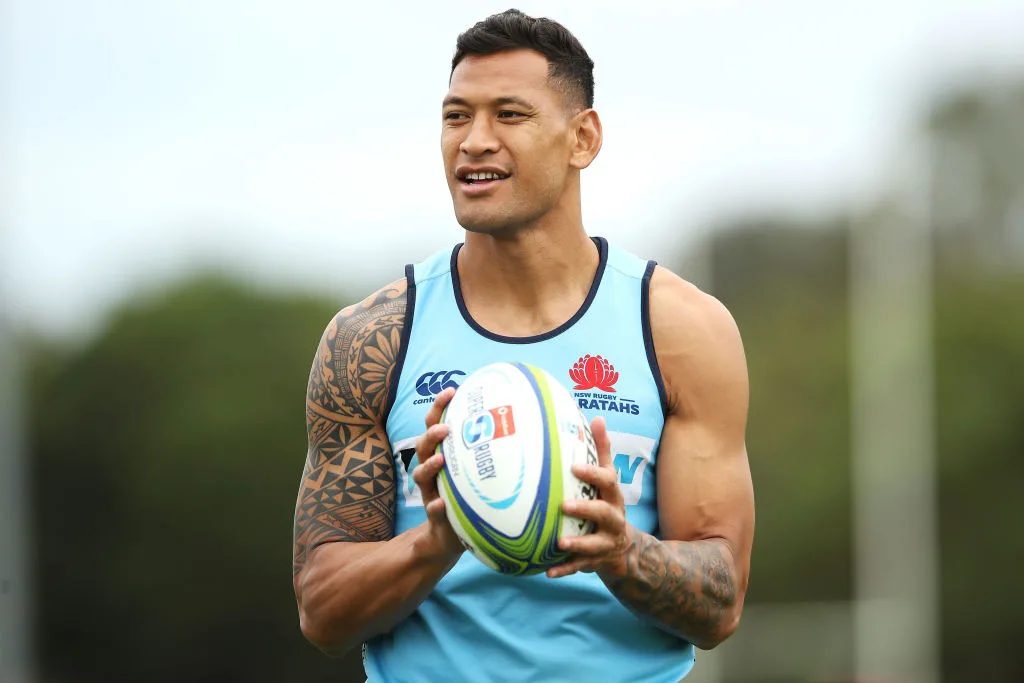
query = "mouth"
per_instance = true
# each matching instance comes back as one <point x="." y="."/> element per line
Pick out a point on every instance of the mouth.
<point x="479" y="182"/>
<point x="482" y="177"/>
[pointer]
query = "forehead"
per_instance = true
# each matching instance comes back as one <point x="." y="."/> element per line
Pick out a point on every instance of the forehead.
<point x="515" y="72"/>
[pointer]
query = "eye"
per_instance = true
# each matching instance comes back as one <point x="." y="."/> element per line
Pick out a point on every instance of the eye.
<point x="510" y="114"/>
<point x="455" y="116"/>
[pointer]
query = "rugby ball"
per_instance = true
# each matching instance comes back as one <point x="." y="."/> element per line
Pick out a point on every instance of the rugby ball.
<point x="514" y="434"/>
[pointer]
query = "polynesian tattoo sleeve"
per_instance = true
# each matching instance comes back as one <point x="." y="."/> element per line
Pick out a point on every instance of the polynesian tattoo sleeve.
<point x="686" y="587"/>
<point x="347" y="492"/>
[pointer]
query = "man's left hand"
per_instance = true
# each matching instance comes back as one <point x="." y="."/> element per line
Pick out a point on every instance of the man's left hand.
<point x="604" y="550"/>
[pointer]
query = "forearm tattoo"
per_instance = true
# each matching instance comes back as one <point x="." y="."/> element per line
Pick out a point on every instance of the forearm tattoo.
<point x="686" y="587"/>
<point x="347" y="492"/>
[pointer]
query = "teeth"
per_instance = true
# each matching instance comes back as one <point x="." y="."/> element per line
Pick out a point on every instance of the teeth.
<point x="483" y="176"/>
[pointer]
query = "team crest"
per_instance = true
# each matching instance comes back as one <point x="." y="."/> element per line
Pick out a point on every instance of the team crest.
<point x="594" y="372"/>
<point x="598" y="374"/>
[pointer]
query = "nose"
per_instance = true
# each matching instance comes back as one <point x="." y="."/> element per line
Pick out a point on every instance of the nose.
<point x="480" y="139"/>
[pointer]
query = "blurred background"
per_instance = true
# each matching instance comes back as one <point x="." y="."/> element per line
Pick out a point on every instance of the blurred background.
<point x="190" y="190"/>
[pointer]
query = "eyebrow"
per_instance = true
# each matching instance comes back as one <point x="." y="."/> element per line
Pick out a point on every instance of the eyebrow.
<point x="455" y="100"/>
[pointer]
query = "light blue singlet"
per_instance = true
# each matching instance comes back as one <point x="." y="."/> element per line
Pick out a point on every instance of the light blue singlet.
<point x="477" y="625"/>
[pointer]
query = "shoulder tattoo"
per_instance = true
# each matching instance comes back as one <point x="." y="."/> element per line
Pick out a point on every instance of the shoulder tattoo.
<point x="347" y="492"/>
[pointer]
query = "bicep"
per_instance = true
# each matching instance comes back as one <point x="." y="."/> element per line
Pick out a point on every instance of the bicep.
<point x="703" y="475"/>
<point x="347" y="492"/>
<point x="704" y="486"/>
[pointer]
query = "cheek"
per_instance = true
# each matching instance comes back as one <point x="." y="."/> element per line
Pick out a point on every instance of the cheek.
<point x="553" y="155"/>
<point x="449" y="147"/>
<point x="545" y="172"/>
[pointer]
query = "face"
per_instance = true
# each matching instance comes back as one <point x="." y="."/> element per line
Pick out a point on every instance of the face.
<point x="508" y="141"/>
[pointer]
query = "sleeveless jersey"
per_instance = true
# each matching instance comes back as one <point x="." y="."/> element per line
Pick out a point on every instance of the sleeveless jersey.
<point x="478" y="625"/>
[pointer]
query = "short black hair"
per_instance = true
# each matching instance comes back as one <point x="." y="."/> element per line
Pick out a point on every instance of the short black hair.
<point x="569" y="65"/>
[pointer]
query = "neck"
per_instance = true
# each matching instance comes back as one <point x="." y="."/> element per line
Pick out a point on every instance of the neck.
<point x="529" y="282"/>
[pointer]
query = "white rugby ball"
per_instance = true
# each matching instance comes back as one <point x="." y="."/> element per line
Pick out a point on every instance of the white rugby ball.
<point x="514" y="434"/>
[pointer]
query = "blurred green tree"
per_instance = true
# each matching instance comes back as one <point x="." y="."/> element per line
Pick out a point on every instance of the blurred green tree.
<point x="980" y="439"/>
<point x="785" y="283"/>
<point x="976" y="138"/>
<point x="166" y="455"/>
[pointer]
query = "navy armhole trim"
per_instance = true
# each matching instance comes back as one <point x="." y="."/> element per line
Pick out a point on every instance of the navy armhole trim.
<point x="396" y="373"/>
<point x="645" y="322"/>
<point x="602" y="249"/>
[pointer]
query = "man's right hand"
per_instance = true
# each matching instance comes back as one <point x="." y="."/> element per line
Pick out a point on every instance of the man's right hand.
<point x="440" y="537"/>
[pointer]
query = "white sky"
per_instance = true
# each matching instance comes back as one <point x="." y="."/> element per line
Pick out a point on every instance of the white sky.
<point x="298" y="142"/>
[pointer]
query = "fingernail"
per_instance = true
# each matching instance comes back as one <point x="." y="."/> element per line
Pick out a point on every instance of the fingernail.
<point x="570" y="507"/>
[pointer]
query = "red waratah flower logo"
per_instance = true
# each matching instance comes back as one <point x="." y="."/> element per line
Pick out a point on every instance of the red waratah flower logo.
<point x="593" y="372"/>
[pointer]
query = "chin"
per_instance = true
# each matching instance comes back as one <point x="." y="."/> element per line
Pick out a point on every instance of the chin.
<point x="485" y="224"/>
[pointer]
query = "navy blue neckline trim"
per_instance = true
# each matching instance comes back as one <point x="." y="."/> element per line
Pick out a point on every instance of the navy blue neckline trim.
<point x="396" y="372"/>
<point x="645" y="318"/>
<point x="602" y="247"/>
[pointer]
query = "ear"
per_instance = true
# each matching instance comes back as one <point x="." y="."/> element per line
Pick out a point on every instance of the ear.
<point x="586" y="127"/>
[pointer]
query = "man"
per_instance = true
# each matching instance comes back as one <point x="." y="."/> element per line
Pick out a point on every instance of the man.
<point x="656" y="365"/>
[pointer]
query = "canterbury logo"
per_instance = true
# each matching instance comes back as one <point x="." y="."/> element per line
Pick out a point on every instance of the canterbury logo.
<point x="433" y="383"/>
<point x="593" y="372"/>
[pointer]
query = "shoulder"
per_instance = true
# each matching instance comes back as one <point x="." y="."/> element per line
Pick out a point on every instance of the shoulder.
<point x="359" y="351"/>
<point x="685" y="309"/>
<point x="387" y="301"/>
<point x="371" y="326"/>
<point x="696" y="341"/>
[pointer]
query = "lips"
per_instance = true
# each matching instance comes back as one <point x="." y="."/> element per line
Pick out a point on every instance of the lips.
<point x="473" y="178"/>
<point x="480" y="180"/>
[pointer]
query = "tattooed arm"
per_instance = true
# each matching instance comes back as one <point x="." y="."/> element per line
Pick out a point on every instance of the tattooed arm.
<point x="352" y="577"/>
<point x="693" y="580"/>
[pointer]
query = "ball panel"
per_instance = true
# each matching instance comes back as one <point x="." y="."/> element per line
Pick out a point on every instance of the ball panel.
<point x="478" y="536"/>
<point x="485" y="541"/>
<point x="547" y="552"/>
<point x="460" y="524"/>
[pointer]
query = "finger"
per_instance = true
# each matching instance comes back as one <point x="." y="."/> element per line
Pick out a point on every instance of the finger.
<point x="599" y="430"/>
<point x="559" y="571"/>
<point x="608" y="517"/>
<point x="605" y="479"/>
<point x="428" y="469"/>
<point x="573" y="565"/>
<point x="589" y="546"/>
<point x="425" y="476"/>
<point x="427" y="442"/>
<point x="601" y="477"/>
<point x="437" y="408"/>
<point x="435" y="509"/>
